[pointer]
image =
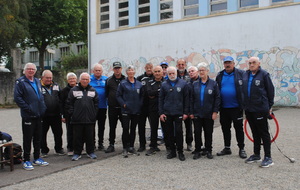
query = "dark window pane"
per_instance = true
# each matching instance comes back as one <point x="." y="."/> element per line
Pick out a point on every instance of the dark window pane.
<point x="166" y="15"/>
<point x="164" y="6"/>
<point x="274" y="1"/>
<point x="104" y="9"/>
<point x="144" y="10"/>
<point x="190" y="2"/>
<point x="104" y="1"/>
<point x="105" y="25"/>
<point x="104" y="17"/>
<point x="191" y="11"/>
<point x="124" y="13"/>
<point x="218" y="7"/>
<point x="245" y="3"/>
<point x="144" y="19"/>
<point x="123" y="22"/>
<point x="123" y="5"/>
<point x="143" y="2"/>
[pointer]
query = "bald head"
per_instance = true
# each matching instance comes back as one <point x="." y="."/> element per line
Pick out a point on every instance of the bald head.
<point x="157" y="73"/>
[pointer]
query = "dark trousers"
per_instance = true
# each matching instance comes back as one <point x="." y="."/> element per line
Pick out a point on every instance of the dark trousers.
<point x="56" y="127"/>
<point x="101" y="117"/>
<point x="175" y="132"/>
<point x="83" y="133"/>
<point x="70" y="139"/>
<point x="208" y="127"/>
<point x="188" y="131"/>
<point x="142" y="126"/>
<point x="154" y="122"/>
<point x="32" y="131"/>
<point x="165" y="134"/>
<point x="235" y="116"/>
<point x="114" y="114"/>
<point x="129" y="123"/>
<point x="260" y="131"/>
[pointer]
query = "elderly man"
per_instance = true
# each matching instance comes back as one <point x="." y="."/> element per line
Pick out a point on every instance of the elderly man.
<point x="230" y="84"/>
<point x="148" y="75"/>
<point x="29" y="98"/>
<point x="52" y="117"/>
<point x="98" y="82"/>
<point x="173" y="108"/>
<point x="183" y="74"/>
<point x="83" y="101"/>
<point x="114" y="109"/>
<point x="258" y="91"/>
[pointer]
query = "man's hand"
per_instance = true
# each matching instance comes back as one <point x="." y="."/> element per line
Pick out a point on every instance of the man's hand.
<point x="192" y="116"/>
<point x="163" y="117"/>
<point x="184" y="117"/>
<point x="214" y="115"/>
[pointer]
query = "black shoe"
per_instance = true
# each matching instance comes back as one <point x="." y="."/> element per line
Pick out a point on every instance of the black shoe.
<point x="132" y="150"/>
<point x="209" y="155"/>
<point x="168" y="150"/>
<point x="242" y="153"/>
<point x="171" y="155"/>
<point x="110" y="149"/>
<point x="181" y="156"/>
<point x="225" y="151"/>
<point x="141" y="149"/>
<point x="189" y="147"/>
<point x="150" y="152"/>
<point x="204" y="152"/>
<point x="125" y="153"/>
<point x="156" y="149"/>
<point x="197" y="155"/>
<point x="100" y="147"/>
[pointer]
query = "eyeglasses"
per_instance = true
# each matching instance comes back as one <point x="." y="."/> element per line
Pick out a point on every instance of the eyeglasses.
<point x="164" y="67"/>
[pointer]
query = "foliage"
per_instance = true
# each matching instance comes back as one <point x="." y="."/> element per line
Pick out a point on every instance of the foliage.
<point x="55" y="21"/>
<point x="72" y="62"/>
<point x="14" y="24"/>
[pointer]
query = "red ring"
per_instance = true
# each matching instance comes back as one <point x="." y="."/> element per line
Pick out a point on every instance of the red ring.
<point x="276" y="134"/>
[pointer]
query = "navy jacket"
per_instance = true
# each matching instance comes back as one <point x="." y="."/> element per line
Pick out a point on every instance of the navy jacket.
<point x="174" y="100"/>
<point x="131" y="96"/>
<point x="211" y="101"/>
<point x="238" y="81"/>
<point x="262" y="92"/>
<point x="83" y="105"/>
<point x="27" y="99"/>
<point x="52" y="100"/>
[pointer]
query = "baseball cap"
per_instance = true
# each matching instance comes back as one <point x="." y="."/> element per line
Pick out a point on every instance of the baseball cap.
<point x="117" y="65"/>
<point x="164" y="63"/>
<point x="228" y="58"/>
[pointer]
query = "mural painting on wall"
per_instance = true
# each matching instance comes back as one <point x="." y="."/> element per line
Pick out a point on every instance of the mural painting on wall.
<point x="283" y="64"/>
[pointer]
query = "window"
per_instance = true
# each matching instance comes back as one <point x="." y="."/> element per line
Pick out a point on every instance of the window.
<point x="80" y="48"/>
<point x="166" y="9"/>
<point x="104" y="14"/>
<point x="123" y="13"/>
<point x="191" y="8"/>
<point x="34" y="56"/>
<point x="217" y="6"/>
<point x="281" y="1"/>
<point x="144" y="11"/>
<point x="64" y="51"/>
<point x="248" y="3"/>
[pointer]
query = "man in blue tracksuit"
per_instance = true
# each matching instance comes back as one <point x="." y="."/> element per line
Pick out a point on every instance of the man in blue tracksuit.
<point x="28" y="96"/>
<point x="173" y="109"/>
<point x="230" y="83"/>
<point x="98" y="82"/>
<point x="258" y="91"/>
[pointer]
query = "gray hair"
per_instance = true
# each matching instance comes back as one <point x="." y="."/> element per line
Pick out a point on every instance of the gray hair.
<point x="171" y="68"/>
<point x="84" y="73"/>
<point x="45" y="72"/>
<point x="97" y="64"/>
<point x="192" y="67"/>
<point x="71" y="74"/>
<point x="203" y="65"/>
<point x="130" y="67"/>
<point x="26" y="66"/>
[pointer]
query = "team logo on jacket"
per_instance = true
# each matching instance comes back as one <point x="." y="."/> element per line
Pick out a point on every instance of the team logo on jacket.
<point x="91" y="94"/>
<point x="240" y="82"/>
<point x="257" y="82"/>
<point x="143" y="83"/>
<point x="138" y="91"/>
<point x="178" y="89"/>
<point x="210" y="91"/>
<point x="55" y="87"/>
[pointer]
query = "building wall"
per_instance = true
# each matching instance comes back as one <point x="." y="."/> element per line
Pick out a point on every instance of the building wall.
<point x="270" y="33"/>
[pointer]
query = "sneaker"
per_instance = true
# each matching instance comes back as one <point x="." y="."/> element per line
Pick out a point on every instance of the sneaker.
<point x="44" y="155"/>
<point x="76" y="157"/>
<point x="110" y="149"/>
<point x="40" y="162"/>
<point x="225" y="151"/>
<point x="125" y="153"/>
<point x="27" y="165"/>
<point x="132" y="150"/>
<point x="242" y="153"/>
<point x="61" y="152"/>
<point x="100" y="147"/>
<point x="209" y="155"/>
<point x="189" y="147"/>
<point x="181" y="156"/>
<point x="197" y="155"/>
<point x="70" y="153"/>
<point x="267" y="162"/>
<point x="171" y="155"/>
<point x="156" y="149"/>
<point x="253" y="158"/>
<point x="141" y="149"/>
<point x="150" y="152"/>
<point x="92" y="156"/>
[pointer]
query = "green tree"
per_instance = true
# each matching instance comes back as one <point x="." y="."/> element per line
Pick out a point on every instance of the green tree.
<point x="55" y="21"/>
<point x="13" y="24"/>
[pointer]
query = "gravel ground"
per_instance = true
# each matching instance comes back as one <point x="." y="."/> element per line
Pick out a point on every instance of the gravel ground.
<point x="156" y="172"/>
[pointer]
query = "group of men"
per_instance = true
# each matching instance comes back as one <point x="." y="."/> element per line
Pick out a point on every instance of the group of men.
<point x="166" y="98"/>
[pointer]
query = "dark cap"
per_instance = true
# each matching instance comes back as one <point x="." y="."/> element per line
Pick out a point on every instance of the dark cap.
<point x="117" y="65"/>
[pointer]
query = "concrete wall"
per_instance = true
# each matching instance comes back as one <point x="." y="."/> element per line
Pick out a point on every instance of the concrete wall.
<point x="6" y="87"/>
<point x="271" y="34"/>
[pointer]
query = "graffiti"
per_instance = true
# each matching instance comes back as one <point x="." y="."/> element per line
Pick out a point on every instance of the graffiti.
<point x="282" y="64"/>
